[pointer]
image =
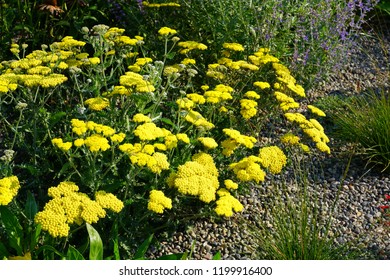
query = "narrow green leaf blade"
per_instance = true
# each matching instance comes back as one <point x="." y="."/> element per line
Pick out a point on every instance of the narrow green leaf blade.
<point x="140" y="254"/>
<point x="31" y="207"/>
<point x="96" y="244"/>
<point x="74" y="254"/>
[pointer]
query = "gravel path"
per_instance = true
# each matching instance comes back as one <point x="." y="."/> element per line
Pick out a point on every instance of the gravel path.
<point x="357" y="217"/>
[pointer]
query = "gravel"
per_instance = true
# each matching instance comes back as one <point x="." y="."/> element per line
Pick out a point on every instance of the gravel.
<point x="357" y="218"/>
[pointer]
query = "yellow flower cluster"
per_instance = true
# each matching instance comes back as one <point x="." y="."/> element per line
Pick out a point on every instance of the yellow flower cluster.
<point x="166" y="31"/>
<point x="198" y="120"/>
<point x="272" y="158"/>
<point x="262" y="85"/>
<point x="97" y="103"/>
<point x="198" y="177"/>
<point x="142" y="154"/>
<point x="233" y="46"/>
<point x="9" y="187"/>
<point x="68" y="206"/>
<point x="262" y="57"/>
<point x="312" y="128"/>
<point x="284" y="76"/>
<point x="208" y="142"/>
<point x="235" y="65"/>
<point x="226" y="204"/>
<point x="92" y="135"/>
<point x="248" y="108"/>
<point x="290" y="139"/>
<point x="64" y="146"/>
<point x="235" y="140"/>
<point x="219" y="94"/>
<point x="135" y="83"/>
<point x="188" y="46"/>
<point x="285" y="102"/>
<point x="248" y="169"/>
<point x="158" y="202"/>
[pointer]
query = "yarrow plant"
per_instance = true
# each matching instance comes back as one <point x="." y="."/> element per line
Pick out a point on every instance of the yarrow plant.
<point x="161" y="134"/>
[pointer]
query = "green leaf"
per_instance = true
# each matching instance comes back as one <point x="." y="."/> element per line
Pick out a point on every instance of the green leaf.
<point x="115" y="241"/>
<point x="48" y="248"/>
<point x="140" y="254"/>
<point x="55" y="118"/>
<point x="96" y="244"/>
<point x="74" y="254"/>
<point x="31" y="207"/>
<point x="35" y="237"/>
<point x="3" y="251"/>
<point x="13" y="228"/>
<point x="217" y="256"/>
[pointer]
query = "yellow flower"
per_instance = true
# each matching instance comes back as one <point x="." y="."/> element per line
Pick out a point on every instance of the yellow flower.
<point x="118" y="138"/>
<point x="208" y="142"/>
<point x="96" y="143"/>
<point x="109" y="201"/>
<point x="64" y="146"/>
<point x="233" y="46"/>
<point x="290" y="139"/>
<point x="148" y="131"/>
<point x="316" y="110"/>
<point x="166" y="31"/>
<point x="229" y="184"/>
<point x="78" y="127"/>
<point x="141" y="118"/>
<point x="262" y="85"/>
<point x="158" y="202"/>
<point x="94" y="60"/>
<point x="248" y="169"/>
<point x="198" y="177"/>
<point x="9" y="187"/>
<point x="78" y="142"/>
<point x="226" y="204"/>
<point x="272" y="158"/>
<point x="97" y="103"/>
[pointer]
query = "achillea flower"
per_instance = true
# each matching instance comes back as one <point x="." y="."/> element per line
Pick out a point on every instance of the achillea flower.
<point x="158" y="202"/>
<point x="68" y="206"/>
<point x="188" y="61"/>
<point x="109" y="201"/>
<point x="79" y="127"/>
<point x="64" y="146"/>
<point x="248" y="108"/>
<point x="316" y="111"/>
<point x="198" y="120"/>
<point x="185" y="104"/>
<point x="262" y="85"/>
<point x="226" y="204"/>
<point x="166" y="31"/>
<point x="198" y="177"/>
<point x="290" y="139"/>
<point x="96" y="143"/>
<point x="252" y="94"/>
<point x="248" y="169"/>
<point x="230" y="185"/>
<point x="272" y="158"/>
<point x="158" y="163"/>
<point x="97" y="103"/>
<point x="233" y="46"/>
<point x="9" y="187"/>
<point x="141" y="118"/>
<point x="148" y="131"/>
<point x="118" y="137"/>
<point x="208" y="142"/>
<point x="196" y="98"/>
<point x="191" y="45"/>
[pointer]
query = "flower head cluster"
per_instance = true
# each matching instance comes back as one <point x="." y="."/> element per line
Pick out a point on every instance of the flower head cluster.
<point x="188" y="46"/>
<point x="220" y="93"/>
<point x="160" y="5"/>
<point x="272" y="158"/>
<point x="235" y="140"/>
<point x="158" y="202"/>
<point x="198" y="120"/>
<point x="227" y="203"/>
<point x="166" y="31"/>
<point x="208" y="142"/>
<point x="312" y="128"/>
<point x="9" y="187"/>
<point x="262" y="57"/>
<point x="248" y="108"/>
<point x="134" y="82"/>
<point x="68" y="206"/>
<point x="198" y="177"/>
<point x="142" y="154"/>
<point x="97" y="103"/>
<point x="248" y="169"/>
